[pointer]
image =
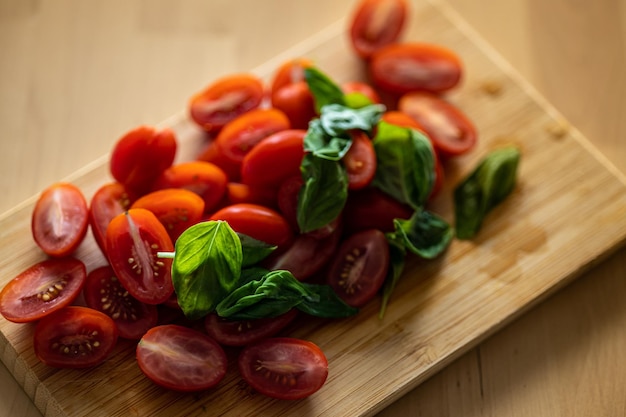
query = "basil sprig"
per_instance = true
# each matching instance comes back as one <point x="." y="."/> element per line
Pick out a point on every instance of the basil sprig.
<point x="324" y="90"/>
<point x="483" y="189"/>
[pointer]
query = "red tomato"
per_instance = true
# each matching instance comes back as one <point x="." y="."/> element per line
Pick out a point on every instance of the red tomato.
<point x="225" y="99"/>
<point x="360" y="87"/>
<point x="60" y="219"/>
<point x="274" y="159"/>
<point x="371" y="208"/>
<point x="109" y="201"/>
<point x="290" y="72"/>
<point x="244" y="193"/>
<point x="104" y="292"/>
<point x="258" y="222"/>
<point x="359" y="269"/>
<point x="450" y="130"/>
<point x="176" y="208"/>
<point x="213" y="154"/>
<point x="244" y="332"/>
<point x="42" y="289"/>
<point x="133" y="240"/>
<point x="74" y="337"/>
<point x="402" y="119"/>
<point x="377" y="23"/>
<point x="402" y="68"/>
<point x="360" y="161"/>
<point x="287" y="199"/>
<point x="181" y="359"/>
<point x="141" y="155"/>
<point x="238" y="137"/>
<point x="203" y="178"/>
<point x="297" y="102"/>
<point x="284" y="368"/>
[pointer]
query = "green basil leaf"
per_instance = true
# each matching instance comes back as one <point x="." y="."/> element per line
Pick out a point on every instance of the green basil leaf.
<point x="484" y="188"/>
<point x="325" y="91"/>
<point x="357" y="100"/>
<point x="254" y="250"/>
<point x="320" y="144"/>
<point x="397" y="260"/>
<point x="326" y="304"/>
<point x="206" y="267"/>
<point x="406" y="164"/>
<point x="424" y="234"/>
<point x="338" y="120"/>
<point x="324" y="193"/>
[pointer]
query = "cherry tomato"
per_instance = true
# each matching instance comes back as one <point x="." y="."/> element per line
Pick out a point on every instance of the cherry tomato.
<point x="376" y="23"/>
<point x="176" y="208"/>
<point x="60" y="219"/>
<point x="296" y="101"/>
<point x="104" y="292"/>
<point x="360" y="161"/>
<point x="244" y="332"/>
<point x="364" y="89"/>
<point x="287" y="199"/>
<point x="450" y="130"/>
<point x="109" y="200"/>
<point x="371" y="208"/>
<point x="402" y="68"/>
<point x="402" y="119"/>
<point x="244" y="193"/>
<point x="181" y="359"/>
<point x="274" y="159"/>
<point x="74" y="337"/>
<point x="213" y="154"/>
<point x="284" y="368"/>
<point x="289" y="72"/>
<point x="203" y="178"/>
<point x="258" y="222"/>
<point x="133" y="240"/>
<point x="239" y="136"/>
<point x="359" y="269"/>
<point x="225" y="99"/>
<point x="141" y="155"/>
<point x="42" y="289"/>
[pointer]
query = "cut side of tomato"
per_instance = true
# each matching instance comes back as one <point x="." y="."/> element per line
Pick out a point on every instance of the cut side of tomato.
<point x="181" y="359"/>
<point x="360" y="161"/>
<point x="284" y="368"/>
<point x="377" y="23"/>
<point x="74" y="337"/>
<point x="42" y="289"/>
<point x="109" y="200"/>
<point x="244" y="332"/>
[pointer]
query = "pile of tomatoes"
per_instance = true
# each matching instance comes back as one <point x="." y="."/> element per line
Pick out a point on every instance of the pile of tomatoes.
<point x="248" y="175"/>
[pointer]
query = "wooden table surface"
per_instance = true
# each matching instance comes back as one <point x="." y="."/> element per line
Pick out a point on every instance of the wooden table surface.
<point x="76" y="74"/>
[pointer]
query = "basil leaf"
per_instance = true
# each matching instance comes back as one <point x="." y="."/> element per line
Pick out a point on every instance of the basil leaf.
<point x="325" y="91"/>
<point x="320" y="144"/>
<point x="406" y="164"/>
<point x="484" y="188"/>
<point x="206" y="267"/>
<point x="254" y="250"/>
<point x="357" y="100"/>
<point x="424" y="234"/>
<point x="338" y="120"/>
<point x="327" y="303"/>
<point x="323" y="194"/>
<point x="397" y="260"/>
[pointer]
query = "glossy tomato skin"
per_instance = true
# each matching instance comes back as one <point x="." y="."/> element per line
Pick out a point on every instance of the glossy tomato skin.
<point x="141" y="155"/>
<point x="360" y="161"/>
<point x="60" y="219"/>
<point x="42" y="289"/>
<point x="203" y="178"/>
<point x="287" y="199"/>
<point x="402" y="119"/>
<point x="133" y="240"/>
<point x="104" y="292"/>
<point x="213" y="154"/>
<point x="108" y="201"/>
<point x="289" y="72"/>
<point x="181" y="359"/>
<point x="74" y="337"/>
<point x="225" y="99"/>
<point x="363" y="88"/>
<point x="243" y="193"/>
<point x="377" y="23"/>
<point x="284" y="368"/>
<point x="402" y="68"/>
<point x="274" y="159"/>
<point x="359" y="267"/>
<point x="296" y="101"/>
<point x="451" y="131"/>
<point x="244" y="332"/>
<point x="258" y="222"/>
<point x="371" y="208"/>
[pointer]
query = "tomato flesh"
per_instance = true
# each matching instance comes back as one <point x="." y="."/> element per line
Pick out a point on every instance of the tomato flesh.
<point x="284" y="368"/>
<point x="376" y="23"/>
<point x="360" y="161"/>
<point x="109" y="200"/>
<point x="244" y="332"/>
<point x="181" y="359"/>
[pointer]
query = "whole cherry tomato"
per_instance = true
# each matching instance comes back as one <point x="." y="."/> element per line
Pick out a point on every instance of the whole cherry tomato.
<point x="289" y="72"/>
<point x="296" y="101"/>
<point x="377" y="23"/>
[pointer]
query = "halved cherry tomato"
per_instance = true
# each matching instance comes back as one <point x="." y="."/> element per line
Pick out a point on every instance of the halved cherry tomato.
<point x="74" y="337"/>
<point x="239" y="136"/>
<point x="133" y="240"/>
<point x="60" y="219"/>
<point x="104" y="292"/>
<point x="213" y="154"/>
<point x="297" y="102"/>
<point x="203" y="178"/>
<point x="244" y="193"/>
<point x="42" y="289"/>
<point x="289" y="72"/>
<point x="360" y="161"/>
<point x="141" y="155"/>
<point x="371" y="208"/>
<point x="450" y="130"/>
<point x="225" y="99"/>
<point x="377" y="23"/>
<point x="176" y="208"/>
<point x="283" y="367"/>
<point x="406" y="67"/>
<point x="274" y="159"/>
<point x="181" y="359"/>
<point x="109" y="200"/>
<point x="244" y="332"/>
<point x="359" y="269"/>
<point x="257" y="221"/>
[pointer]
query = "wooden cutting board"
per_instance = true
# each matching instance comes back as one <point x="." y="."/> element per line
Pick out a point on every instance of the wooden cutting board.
<point x="567" y="212"/>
